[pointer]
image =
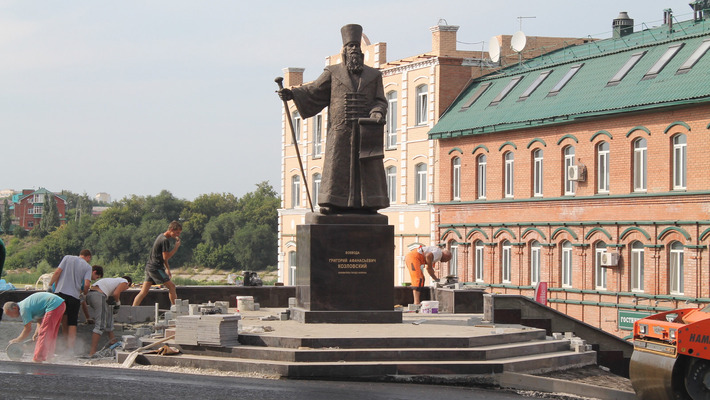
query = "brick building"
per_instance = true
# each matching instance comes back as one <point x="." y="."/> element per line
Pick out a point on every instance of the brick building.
<point x="29" y="207"/>
<point x="419" y="89"/>
<point x="586" y="169"/>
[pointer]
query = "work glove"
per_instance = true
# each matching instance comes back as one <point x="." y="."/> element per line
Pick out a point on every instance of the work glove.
<point x="116" y="307"/>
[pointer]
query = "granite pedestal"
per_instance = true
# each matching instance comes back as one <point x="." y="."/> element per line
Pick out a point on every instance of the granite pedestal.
<point x="345" y="270"/>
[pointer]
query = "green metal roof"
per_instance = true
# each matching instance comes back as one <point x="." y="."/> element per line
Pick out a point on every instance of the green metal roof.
<point x="587" y="93"/>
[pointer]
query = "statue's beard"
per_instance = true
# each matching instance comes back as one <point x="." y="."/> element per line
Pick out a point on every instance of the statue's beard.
<point x="354" y="61"/>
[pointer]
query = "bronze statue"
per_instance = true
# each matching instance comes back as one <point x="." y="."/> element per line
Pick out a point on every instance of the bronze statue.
<point x="353" y="178"/>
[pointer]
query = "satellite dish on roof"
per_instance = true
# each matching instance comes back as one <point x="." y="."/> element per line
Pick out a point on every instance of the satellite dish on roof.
<point x="494" y="49"/>
<point x="518" y="41"/>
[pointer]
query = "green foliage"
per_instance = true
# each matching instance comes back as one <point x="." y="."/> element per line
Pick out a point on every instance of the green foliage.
<point x="50" y="214"/>
<point x="7" y="218"/>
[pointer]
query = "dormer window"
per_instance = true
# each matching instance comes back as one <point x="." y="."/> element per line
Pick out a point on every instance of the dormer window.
<point x="661" y="63"/>
<point x="568" y="76"/>
<point x="625" y="69"/>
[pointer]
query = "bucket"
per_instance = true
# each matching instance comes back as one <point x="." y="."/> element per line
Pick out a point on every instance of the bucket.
<point x="245" y="303"/>
<point x="430" y="307"/>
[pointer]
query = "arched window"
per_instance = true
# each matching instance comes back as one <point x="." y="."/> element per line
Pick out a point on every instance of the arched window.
<point x="567" y="266"/>
<point x="537" y="173"/>
<point x="420" y="183"/>
<point x="454" y="262"/>
<point x="422" y="98"/>
<point x="479" y="261"/>
<point x="505" y="260"/>
<point x="456" y="178"/>
<point x="509" y="178"/>
<point x="637" y="266"/>
<point x="570" y="185"/>
<point x="535" y="250"/>
<point x="675" y="273"/>
<point x="680" y="162"/>
<point x="295" y="191"/>
<point x="391" y="120"/>
<point x="599" y="271"/>
<point x="603" y="167"/>
<point x="316" y="187"/>
<point x="392" y="183"/>
<point x="640" y="164"/>
<point x="481" y="177"/>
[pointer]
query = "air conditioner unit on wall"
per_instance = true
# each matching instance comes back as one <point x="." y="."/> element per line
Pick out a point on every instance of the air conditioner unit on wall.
<point x="577" y="173"/>
<point x="610" y="259"/>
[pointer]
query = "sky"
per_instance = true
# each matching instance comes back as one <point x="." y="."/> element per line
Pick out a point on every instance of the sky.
<point x="132" y="97"/>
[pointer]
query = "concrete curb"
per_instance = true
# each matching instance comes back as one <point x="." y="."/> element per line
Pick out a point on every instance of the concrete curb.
<point x="513" y="380"/>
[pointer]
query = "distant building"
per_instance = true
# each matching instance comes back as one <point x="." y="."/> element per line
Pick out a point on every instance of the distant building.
<point x="29" y="207"/>
<point x="5" y="193"/>
<point x="103" y="197"/>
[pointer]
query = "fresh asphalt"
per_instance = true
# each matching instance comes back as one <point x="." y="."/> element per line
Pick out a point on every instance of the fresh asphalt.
<point x="26" y="380"/>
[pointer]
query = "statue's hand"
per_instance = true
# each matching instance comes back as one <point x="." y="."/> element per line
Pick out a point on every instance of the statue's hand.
<point x="285" y="94"/>
<point x="378" y="116"/>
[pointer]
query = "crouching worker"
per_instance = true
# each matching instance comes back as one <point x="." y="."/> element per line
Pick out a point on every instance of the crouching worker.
<point x="420" y="259"/>
<point x="104" y="299"/>
<point x="47" y="310"/>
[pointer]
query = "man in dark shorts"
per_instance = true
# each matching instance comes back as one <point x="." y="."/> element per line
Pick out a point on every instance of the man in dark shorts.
<point x="157" y="269"/>
<point x="73" y="278"/>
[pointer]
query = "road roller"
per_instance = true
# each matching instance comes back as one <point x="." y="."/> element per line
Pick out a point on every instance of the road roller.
<point x="671" y="358"/>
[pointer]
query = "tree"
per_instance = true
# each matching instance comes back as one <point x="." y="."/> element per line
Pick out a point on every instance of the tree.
<point x="50" y="214"/>
<point x="7" y="218"/>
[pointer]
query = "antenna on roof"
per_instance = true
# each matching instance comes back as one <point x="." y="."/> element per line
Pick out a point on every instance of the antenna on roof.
<point x="494" y="49"/>
<point x="520" y="21"/>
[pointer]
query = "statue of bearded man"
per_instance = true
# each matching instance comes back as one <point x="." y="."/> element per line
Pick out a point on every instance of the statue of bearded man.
<point x="351" y="182"/>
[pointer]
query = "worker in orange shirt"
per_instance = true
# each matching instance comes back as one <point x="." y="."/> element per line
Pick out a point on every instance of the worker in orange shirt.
<point x="422" y="258"/>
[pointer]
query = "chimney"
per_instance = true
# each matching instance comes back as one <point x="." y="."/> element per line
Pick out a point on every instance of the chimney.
<point x="293" y="76"/>
<point x="622" y="25"/>
<point x="443" y="39"/>
<point x="701" y="9"/>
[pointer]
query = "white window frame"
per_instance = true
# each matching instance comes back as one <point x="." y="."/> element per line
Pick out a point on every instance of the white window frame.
<point x="640" y="164"/>
<point x="680" y="161"/>
<point x="637" y="267"/>
<point x="675" y="266"/>
<point x="479" y="261"/>
<point x="38" y="198"/>
<point x="318" y="136"/>
<point x="456" y="178"/>
<point x="420" y="184"/>
<point x="391" y="173"/>
<point x="567" y="264"/>
<point x="603" y="164"/>
<point x="316" y="187"/>
<point x="505" y="259"/>
<point x="296" y="119"/>
<point x="292" y="261"/>
<point x="454" y="262"/>
<point x="295" y="191"/>
<point x="391" y="127"/>
<point x="481" y="184"/>
<point x="422" y="106"/>
<point x="570" y="185"/>
<point x="600" y="280"/>
<point x="509" y="178"/>
<point x="538" y="173"/>
<point x="535" y="257"/>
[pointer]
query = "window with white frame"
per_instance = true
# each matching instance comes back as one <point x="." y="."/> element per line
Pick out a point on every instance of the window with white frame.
<point x="481" y="175"/>
<point x="603" y="167"/>
<point x="505" y="260"/>
<point x="454" y="262"/>
<point x="36" y="210"/>
<point x="420" y="183"/>
<point x="316" y="187"/>
<point x="479" y="261"/>
<point x="535" y="250"/>
<point x="680" y="161"/>
<point x="537" y="173"/>
<point x="640" y="165"/>
<point x="456" y="178"/>
<point x="637" y="267"/>
<point x="296" y="119"/>
<point x="509" y="179"/>
<point x="38" y="198"/>
<point x="295" y="191"/>
<point x="675" y="273"/>
<point x="570" y="185"/>
<point x="391" y="173"/>
<point x="599" y="271"/>
<point x="391" y="126"/>
<point x="318" y="136"/>
<point x="292" y="268"/>
<point x="422" y="98"/>
<point x="567" y="264"/>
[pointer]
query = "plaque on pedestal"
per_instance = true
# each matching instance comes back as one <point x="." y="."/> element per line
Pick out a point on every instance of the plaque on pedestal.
<point x="345" y="273"/>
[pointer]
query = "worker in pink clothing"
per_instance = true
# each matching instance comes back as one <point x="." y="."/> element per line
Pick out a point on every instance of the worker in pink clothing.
<point x="47" y="310"/>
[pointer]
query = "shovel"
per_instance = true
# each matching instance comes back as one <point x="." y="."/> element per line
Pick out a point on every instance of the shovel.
<point x="15" y="351"/>
<point x="131" y="358"/>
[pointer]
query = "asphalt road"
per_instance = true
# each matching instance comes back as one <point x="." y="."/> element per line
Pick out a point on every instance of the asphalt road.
<point x="22" y="380"/>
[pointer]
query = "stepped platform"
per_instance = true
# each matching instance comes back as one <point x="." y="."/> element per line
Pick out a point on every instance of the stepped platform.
<point x="423" y="345"/>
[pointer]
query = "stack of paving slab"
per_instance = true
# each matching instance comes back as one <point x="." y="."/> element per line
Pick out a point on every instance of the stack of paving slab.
<point x="209" y="330"/>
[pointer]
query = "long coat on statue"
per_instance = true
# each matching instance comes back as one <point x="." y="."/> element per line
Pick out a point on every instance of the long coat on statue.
<point x="347" y="182"/>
